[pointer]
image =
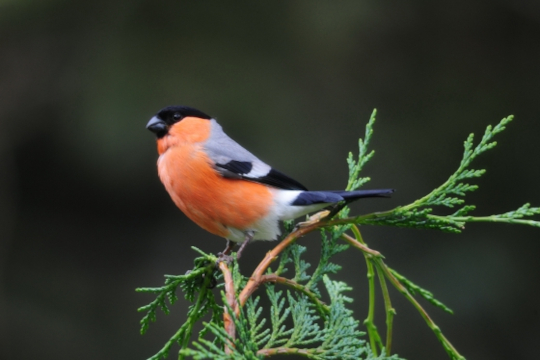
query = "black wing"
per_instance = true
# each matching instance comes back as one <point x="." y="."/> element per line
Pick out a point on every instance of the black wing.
<point x="241" y="170"/>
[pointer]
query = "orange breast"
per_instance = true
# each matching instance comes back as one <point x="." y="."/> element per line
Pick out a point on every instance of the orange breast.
<point x="211" y="201"/>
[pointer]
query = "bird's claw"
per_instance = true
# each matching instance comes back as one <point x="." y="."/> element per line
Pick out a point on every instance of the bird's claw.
<point x="228" y="259"/>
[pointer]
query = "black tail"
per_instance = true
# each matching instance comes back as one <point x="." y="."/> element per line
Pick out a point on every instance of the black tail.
<point x="358" y="194"/>
<point x="335" y="196"/>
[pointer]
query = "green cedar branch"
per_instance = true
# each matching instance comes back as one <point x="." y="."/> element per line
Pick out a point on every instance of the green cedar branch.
<point x="373" y="334"/>
<point x="390" y="311"/>
<point x="381" y="266"/>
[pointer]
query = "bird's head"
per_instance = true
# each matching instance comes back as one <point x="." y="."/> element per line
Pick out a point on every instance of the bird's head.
<point x="167" y="117"/>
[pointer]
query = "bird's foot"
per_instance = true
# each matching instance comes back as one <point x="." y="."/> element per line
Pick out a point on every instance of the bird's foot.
<point x="248" y="238"/>
<point x="224" y="258"/>
<point x="224" y="255"/>
<point x="230" y="246"/>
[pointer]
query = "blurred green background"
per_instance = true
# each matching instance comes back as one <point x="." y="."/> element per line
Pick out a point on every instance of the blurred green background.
<point x="84" y="219"/>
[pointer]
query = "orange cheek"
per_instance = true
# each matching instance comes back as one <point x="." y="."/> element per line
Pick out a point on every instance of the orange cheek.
<point x="188" y="131"/>
<point x="161" y="146"/>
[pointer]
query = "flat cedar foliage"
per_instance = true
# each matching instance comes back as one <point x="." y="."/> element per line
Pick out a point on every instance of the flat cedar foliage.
<point x="319" y="330"/>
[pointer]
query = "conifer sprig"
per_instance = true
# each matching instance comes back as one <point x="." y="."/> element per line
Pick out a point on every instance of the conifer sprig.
<point x="419" y="214"/>
<point x="196" y="285"/>
<point x="319" y="330"/>
<point x="364" y="155"/>
<point x="336" y="337"/>
<point x="414" y="289"/>
<point x="444" y="194"/>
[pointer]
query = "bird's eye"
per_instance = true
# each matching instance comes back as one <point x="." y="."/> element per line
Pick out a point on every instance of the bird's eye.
<point x="177" y="116"/>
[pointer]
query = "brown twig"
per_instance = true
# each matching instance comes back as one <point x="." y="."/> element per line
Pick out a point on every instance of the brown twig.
<point x="256" y="278"/>
<point x="364" y="248"/>
<point x="288" y="351"/>
<point x="231" y="301"/>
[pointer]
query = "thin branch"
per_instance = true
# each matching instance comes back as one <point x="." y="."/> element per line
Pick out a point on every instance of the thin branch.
<point x="256" y="278"/>
<point x="352" y="241"/>
<point x="492" y="218"/>
<point x="450" y="349"/>
<point x="374" y="336"/>
<point x="373" y="333"/>
<point x="290" y="351"/>
<point x="390" y="312"/>
<point x="228" y="322"/>
<point x="454" y="354"/>
<point x="362" y="218"/>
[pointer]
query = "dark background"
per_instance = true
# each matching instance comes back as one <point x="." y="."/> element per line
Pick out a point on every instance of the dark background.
<point x="84" y="219"/>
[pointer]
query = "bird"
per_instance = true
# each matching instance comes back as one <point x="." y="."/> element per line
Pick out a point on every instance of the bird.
<point x="224" y="188"/>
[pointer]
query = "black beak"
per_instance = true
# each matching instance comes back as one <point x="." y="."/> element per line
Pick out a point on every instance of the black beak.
<point x="157" y="126"/>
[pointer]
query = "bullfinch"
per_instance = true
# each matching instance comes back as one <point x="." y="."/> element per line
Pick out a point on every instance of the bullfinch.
<point x="223" y="187"/>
